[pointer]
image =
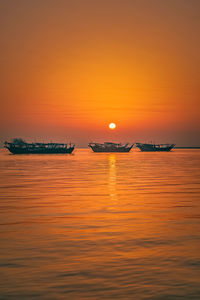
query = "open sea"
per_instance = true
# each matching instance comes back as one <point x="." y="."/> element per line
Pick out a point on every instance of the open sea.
<point x="100" y="226"/>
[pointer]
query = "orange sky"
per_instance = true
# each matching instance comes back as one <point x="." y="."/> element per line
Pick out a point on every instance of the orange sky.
<point x="69" y="68"/>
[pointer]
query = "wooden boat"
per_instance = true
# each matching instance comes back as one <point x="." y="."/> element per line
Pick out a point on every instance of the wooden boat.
<point x="110" y="147"/>
<point x="155" y="147"/>
<point x="19" y="146"/>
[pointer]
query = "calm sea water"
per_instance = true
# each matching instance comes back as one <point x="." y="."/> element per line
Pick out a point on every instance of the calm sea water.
<point x="100" y="226"/>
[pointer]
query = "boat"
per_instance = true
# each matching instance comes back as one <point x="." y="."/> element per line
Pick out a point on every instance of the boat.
<point x="19" y="146"/>
<point x="110" y="147"/>
<point x="155" y="147"/>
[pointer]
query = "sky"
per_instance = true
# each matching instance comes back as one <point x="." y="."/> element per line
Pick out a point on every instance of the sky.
<point x="69" y="68"/>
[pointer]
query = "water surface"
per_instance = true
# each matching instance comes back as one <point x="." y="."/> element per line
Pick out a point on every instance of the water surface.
<point x="100" y="226"/>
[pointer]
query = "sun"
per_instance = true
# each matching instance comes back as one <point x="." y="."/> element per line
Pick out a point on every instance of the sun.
<point x="112" y="126"/>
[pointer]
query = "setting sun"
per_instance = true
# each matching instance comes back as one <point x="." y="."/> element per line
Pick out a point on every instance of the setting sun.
<point x="112" y="125"/>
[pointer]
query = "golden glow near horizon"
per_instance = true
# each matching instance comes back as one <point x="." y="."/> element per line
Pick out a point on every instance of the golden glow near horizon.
<point x="112" y="126"/>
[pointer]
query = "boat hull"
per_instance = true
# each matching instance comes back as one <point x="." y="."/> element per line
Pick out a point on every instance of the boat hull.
<point x="100" y="150"/>
<point x="155" y="150"/>
<point x="17" y="150"/>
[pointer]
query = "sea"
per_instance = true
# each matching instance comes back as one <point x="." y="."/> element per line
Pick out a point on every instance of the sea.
<point x="100" y="225"/>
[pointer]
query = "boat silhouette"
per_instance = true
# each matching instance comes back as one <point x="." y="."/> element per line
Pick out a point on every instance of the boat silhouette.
<point x="19" y="146"/>
<point x="155" y="147"/>
<point x="110" y="147"/>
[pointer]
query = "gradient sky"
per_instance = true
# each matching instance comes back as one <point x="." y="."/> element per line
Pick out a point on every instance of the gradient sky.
<point x="69" y="68"/>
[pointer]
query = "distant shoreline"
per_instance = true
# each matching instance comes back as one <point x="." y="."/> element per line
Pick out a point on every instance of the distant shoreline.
<point x="187" y="147"/>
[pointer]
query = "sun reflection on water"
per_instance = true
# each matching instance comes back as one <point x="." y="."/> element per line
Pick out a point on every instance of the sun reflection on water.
<point x="112" y="177"/>
<point x="100" y="226"/>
